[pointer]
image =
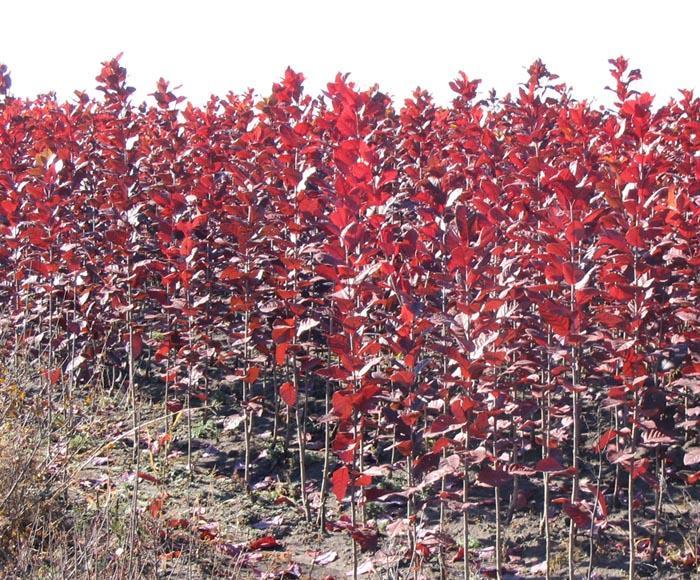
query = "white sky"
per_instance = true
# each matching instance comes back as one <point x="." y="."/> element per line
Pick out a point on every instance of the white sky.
<point x="213" y="47"/>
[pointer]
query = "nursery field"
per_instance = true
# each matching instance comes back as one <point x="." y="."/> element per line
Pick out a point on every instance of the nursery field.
<point x="330" y="336"/>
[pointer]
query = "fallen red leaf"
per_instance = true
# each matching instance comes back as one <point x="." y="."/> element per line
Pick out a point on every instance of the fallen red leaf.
<point x="264" y="543"/>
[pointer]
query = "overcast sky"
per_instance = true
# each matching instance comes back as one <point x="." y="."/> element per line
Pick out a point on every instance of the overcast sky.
<point x="213" y="47"/>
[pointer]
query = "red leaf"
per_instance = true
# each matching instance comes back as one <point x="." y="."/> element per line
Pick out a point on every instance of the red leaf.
<point x="569" y="272"/>
<point x="615" y="240"/>
<point x="580" y="518"/>
<point x="230" y="273"/>
<point x="624" y="294"/>
<point x="405" y="447"/>
<point x="441" y="424"/>
<point x="363" y="480"/>
<point x="52" y="375"/>
<point x="281" y="353"/>
<point x="136" y="344"/>
<point x="156" y="506"/>
<point x="605" y="438"/>
<point x="252" y="375"/>
<point x="388" y="176"/>
<point x="518" y="469"/>
<point x="635" y="237"/>
<point x="264" y="543"/>
<point x="602" y="502"/>
<point x="556" y="316"/>
<point x="282" y="333"/>
<point x="440" y="444"/>
<point x="173" y="406"/>
<point x="117" y="237"/>
<point x="575" y="232"/>
<point x="347" y="122"/>
<point x="341" y="217"/>
<point x="288" y="394"/>
<point x="493" y="477"/>
<point x="366" y="538"/>
<point x="148" y="477"/>
<point x="8" y="206"/>
<point x="406" y="314"/>
<point x="558" y="249"/>
<point x="343" y="405"/>
<point x="492" y="192"/>
<point x="460" y="407"/>
<point x="340" y="482"/>
<point x="361" y="171"/>
<point x="186" y="247"/>
<point x="548" y="464"/>
<point x="403" y="378"/>
<point x="163" y="350"/>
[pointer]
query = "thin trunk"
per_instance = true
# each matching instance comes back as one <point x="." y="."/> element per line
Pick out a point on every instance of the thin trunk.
<point x="441" y="552"/>
<point x="247" y="416"/>
<point x="547" y="500"/>
<point x="49" y="386"/>
<point x="287" y="430"/>
<point x="301" y="442"/>
<point x="497" y="498"/>
<point x="658" y="503"/>
<point x="276" y="420"/>
<point x="465" y="512"/>
<point x="326" y="460"/>
<point x="630" y="496"/>
<point x="132" y="386"/>
<point x="574" y="484"/>
<point x="596" y="502"/>
<point x="575" y="412"/>
<point x="516" y="480"/>
<point x="443" y="482"/>
<point x="353" y="519"/>
<point x="188" y="392"/>
<point x="166" y="397"/>
<point x="326" y="433"/>
<point x="136" y="455"/>
<point x="616" y="484"/>
<point x="633" y="444"/>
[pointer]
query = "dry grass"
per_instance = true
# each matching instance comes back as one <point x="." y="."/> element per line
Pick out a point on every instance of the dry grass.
<point x="57" y="521"/>
<point x="45" y="531"/>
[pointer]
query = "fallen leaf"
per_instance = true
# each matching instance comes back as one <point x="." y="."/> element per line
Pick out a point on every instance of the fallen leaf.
<point x="264" y="543"/>
<point x="325" y="559"/>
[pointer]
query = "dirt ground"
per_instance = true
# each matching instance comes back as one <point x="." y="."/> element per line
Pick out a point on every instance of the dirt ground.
<point x="204" y="524"/>
<point x="230" y="521"/>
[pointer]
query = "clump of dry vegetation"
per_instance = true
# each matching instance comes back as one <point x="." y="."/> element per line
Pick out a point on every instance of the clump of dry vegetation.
<point x="62" y="518"/>
<point x="26" y="477"/>
<point x="45" y="531"/>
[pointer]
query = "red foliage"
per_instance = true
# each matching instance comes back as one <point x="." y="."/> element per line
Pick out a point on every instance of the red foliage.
<point x="452" y="274"/>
